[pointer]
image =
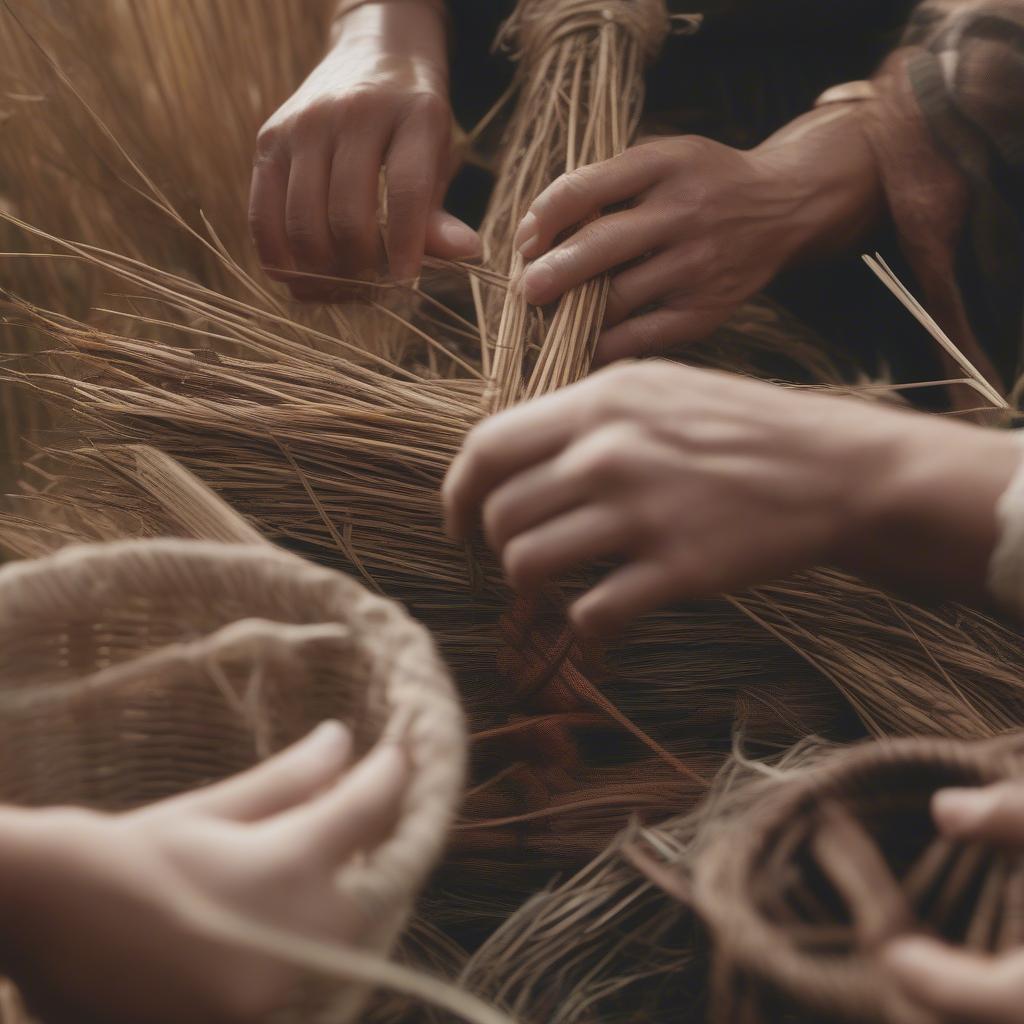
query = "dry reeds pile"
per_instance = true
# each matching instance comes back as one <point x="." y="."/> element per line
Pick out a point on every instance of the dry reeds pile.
<point x="802" y="892"/>
<point x="773" y="900"/>
<point x="331" y="432"/>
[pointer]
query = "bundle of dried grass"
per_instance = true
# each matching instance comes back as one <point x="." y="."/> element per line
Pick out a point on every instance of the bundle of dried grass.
<point x="335" y="445"/>
<point x="580" y="99"/>
<point x="183" y="88"/>
<point x="134" y="671"/>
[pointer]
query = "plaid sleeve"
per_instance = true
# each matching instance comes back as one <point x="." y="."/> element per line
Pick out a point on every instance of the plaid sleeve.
<point x="977" y="73"/>
<point x="965" y="63"/>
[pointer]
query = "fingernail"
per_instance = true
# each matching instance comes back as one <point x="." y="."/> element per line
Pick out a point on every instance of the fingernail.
<point x="530" y="248"/>
<point x="536" y="280"/>
<point x="960" y="810"/>
<point x="328" y="733"/>
<point x="910" y="954"/>
<point x="461" y="237"/>
<point x="527" y="235"/>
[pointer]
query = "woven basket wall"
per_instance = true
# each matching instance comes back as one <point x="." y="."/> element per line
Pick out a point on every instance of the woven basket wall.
<point x="136" y="670"/>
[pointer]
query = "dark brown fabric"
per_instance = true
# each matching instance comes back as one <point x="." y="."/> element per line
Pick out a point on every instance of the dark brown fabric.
<point x="948" y="129"/>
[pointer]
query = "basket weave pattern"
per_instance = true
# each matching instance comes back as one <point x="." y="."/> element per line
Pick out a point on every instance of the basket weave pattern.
<point x="136" y="670"/>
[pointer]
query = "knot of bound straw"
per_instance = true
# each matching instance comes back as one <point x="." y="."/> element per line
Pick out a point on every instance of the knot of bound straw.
<point x="537" y="24"/>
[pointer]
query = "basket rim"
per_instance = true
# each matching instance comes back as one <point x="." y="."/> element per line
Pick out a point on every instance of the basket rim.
<point x="730" y="863"/>
<point x="421" y="707"/>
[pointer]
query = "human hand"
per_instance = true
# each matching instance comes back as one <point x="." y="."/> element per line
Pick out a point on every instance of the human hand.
<point x="708" y="227"/>
<point x="90" y="902"/>
<point x="378" y="99"/>
<point x="955" y="985"/>
<point x="701" y="483"/>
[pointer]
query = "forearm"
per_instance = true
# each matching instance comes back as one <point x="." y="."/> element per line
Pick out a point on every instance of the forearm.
<point x="931" y="526"/>
<point x="827" y="161"/>
<point x="399" y="26"/>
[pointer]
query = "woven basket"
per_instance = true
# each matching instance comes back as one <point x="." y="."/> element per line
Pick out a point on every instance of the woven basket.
<point x="801" y="892"/>
<point x="136" y="670"/>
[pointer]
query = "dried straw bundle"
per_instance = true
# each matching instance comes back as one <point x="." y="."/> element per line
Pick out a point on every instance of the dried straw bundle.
<point x="183" y="87"/>
<point x="580" y="99"/>
<point x="137" y="670"/>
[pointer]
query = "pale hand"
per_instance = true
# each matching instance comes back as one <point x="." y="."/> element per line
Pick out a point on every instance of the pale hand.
<point x="379" y="99"/>
<point x="90" y="928"/>
<point x="698" y="483"/>
<point x="956" y="985"/>
<point x="707" y="226"/>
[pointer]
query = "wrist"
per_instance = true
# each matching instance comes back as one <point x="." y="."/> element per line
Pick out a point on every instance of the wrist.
<point x="415" y="28"/>
<point x="926" y="519"/>
<point x="825" y="160"/>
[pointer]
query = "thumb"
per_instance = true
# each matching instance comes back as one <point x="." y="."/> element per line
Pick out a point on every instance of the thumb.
<point x="957" y="985"/>
<point x="991" y="813"/>
<point x="450" y="238"/>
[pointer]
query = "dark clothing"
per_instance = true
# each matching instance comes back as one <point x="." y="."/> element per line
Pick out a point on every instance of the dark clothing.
<point x="753" y="66"/>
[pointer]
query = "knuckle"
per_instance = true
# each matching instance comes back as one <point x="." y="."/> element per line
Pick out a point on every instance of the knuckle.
<point x="655" y="156"/>
<point x="650" y="515"/>
<point x="258" y="226"/>
<point x="346" y="228"/>
<point x="267" y="145"/>
<point x="431" y="107"/>
<point x="494" y="518"/>
<point x="520" y="561"/>
<point x="708" y="252"/>
<point x="484" y="438"/>
<point x="616" y="385"/>
<point x="599" y="234"/>
<point x="410" y="192"/>
<point x="579" y="182"/>
<point x="602" y="457"/>
<point x="312" y="123"/>
<point x="301" y="233"/>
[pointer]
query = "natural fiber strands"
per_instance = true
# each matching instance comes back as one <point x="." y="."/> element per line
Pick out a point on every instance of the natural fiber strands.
<point x="136" y="670"/>
<point x="344" y="463"/>
<point x="581" y="95"/>
<point x="540" y="23"/>
<point x="331" y="433"/>
<point x="156" y="72"/>
<point x="772" y="900"/>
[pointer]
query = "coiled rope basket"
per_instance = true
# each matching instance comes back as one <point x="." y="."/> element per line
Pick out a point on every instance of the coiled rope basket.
<point x="803" y="890"/>
<point x="135" y="670"/>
